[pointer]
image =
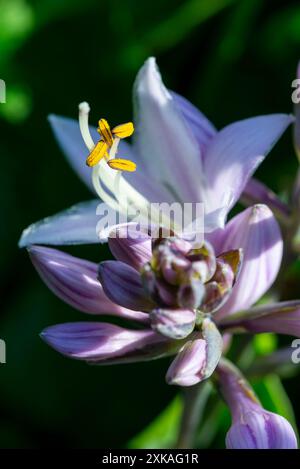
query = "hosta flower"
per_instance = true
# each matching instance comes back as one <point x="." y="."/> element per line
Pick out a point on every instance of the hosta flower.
<point x="179" y="296"/>
<point x="180" y="155"/>
<point x="253" y="427"/>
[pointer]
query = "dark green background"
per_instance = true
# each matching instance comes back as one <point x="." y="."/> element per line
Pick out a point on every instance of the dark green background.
<point x="233" y="59"/>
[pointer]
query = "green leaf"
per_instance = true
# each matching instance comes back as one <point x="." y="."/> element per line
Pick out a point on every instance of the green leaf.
<point x="162" y="432"/>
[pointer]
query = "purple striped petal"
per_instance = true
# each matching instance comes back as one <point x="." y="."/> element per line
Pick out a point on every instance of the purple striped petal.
<point x="261" y="430"/>
<point x="282" y="318"/>
<point x="236" y="151"/>
<point x="198" y="358"/>
<point x="252" y="426"/>
<point x="173" y="323"/>
<point x="256" y="232"/>
<point x="188" y="366"/>
<point x="76" y="225"/>
<point x="122" y="284"/>
<point x="201" y="127"/>
<point x="103" y="344"/>
<point x="75" y="281"/>
<point x="257" y="192"/>
<point x="130" y="246"/>
<point x="165" y="144"/>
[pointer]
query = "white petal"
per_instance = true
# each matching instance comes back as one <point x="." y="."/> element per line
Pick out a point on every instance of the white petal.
<point x="163" y="141"/>
<point x="76" y="225"/>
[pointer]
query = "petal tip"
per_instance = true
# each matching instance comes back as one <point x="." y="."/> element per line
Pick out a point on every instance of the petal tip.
<point x="54" y="119"/>
<point x="150" y="63"/>
<point x="24" y="240"/>
<point x="259" y="211"/>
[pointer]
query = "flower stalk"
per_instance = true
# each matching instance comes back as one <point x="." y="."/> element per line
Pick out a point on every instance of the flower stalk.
<point x="194" y="401"/>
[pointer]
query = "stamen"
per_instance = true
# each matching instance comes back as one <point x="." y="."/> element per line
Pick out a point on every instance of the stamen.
<point x="114" y="148"/>
<point x="99" y="151"/>
<point x="123" y="130"/>
<point x="105" y="132"/>
<point x="127" y="197"/>
<point x="104" y="196"/>
<point x="84" y="110"/>
<point x="122" y="165"/>
<point x="118" y="176"/>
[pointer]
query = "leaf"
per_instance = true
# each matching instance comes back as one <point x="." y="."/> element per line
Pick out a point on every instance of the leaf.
<point x="162" y="432"/>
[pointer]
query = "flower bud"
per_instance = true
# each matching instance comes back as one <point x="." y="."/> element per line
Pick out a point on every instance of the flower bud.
<point x="173" y="323"/>
<point x="198" y="358"/>
<point x="253" y="427"/>
<point x="177" y="271"/>
<point x="190" y="295"/>
<point x="219" y="287"/>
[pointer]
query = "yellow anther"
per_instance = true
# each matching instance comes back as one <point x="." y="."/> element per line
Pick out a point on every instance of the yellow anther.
<point x="105" y="132"/>
<point x="123" y="130"/>
<point x="122" y="165"/>
<point x="97" y="153"/>
<point x="107" y="146"/>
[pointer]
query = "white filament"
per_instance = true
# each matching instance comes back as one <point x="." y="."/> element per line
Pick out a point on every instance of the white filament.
<point x="107" y="198"/>
<point x="114" y="148"/>
<point x="84" y="110"/>
<point x="126" y="196"/>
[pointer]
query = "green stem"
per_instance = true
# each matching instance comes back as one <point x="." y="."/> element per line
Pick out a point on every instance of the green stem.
<point x="195" y="398"/>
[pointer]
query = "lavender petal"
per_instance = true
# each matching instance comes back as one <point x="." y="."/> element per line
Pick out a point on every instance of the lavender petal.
<point x="122" y="284"/>
<point x="256" y="232"/>
<point x="236" y="151"/>
<point x="129" y="246"/>
<point x="103" y="344"/>
<point x="75" y="282"/>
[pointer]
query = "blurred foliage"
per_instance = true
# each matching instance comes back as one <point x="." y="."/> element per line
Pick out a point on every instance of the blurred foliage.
<point x="163" y="430"/>
<point x="265" y="343"/>
<point x="233" y="59"/>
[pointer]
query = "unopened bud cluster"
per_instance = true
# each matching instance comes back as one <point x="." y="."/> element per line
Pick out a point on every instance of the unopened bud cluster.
<point x="185" y="275"/>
